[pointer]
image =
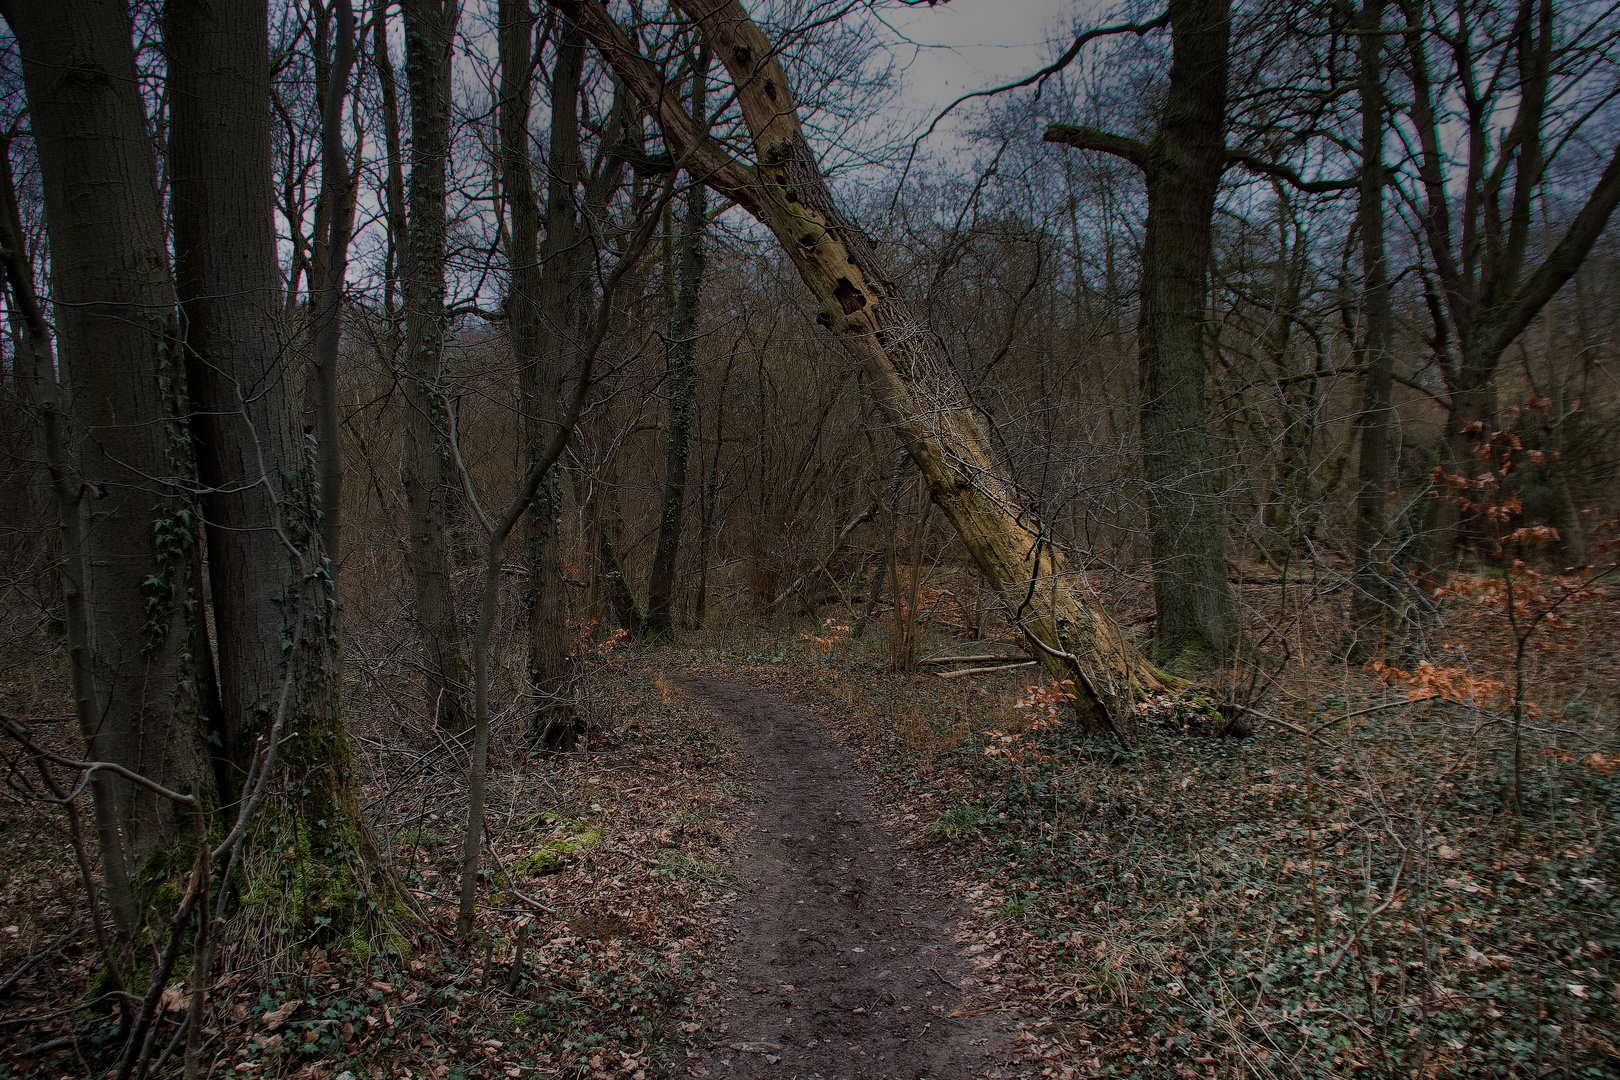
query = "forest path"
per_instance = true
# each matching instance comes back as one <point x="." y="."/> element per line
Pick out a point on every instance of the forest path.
<point x="844" y="965"/>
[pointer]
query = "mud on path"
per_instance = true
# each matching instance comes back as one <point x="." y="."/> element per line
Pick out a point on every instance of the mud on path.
<point x="846" y="965"/>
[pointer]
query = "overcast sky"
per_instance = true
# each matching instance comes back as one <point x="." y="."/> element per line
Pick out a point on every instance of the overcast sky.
<point x="955" y="48"/>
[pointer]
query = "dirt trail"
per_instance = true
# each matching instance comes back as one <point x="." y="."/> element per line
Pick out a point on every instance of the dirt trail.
<point x="845" y="965"/>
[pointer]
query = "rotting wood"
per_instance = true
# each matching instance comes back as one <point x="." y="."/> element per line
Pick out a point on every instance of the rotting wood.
<point x="983" y="670"/>
<point x="965" y="659"/>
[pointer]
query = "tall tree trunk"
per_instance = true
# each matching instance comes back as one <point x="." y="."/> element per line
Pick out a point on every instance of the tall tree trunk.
<point x="430" y="484"/>
<point x="608" y="520"/>
<point x="1182" y="165"/>
<point x="903" y="642"/>
<point x="543" y="319"/>
<point x="680" y="377"/>
<point x="397" y="253"/>
<point x="891" y="515"/>
<point x="338" y="191"/>
<point x="34" y="370"/>
<point x="1374" y="605"/>
<point x="122" y="467"/>
<point x="913" y="382"/>
<point x="274" y="609"/>
<point x="709" y="502"/>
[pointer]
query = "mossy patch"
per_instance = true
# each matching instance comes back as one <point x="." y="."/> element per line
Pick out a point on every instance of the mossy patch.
<point x="554" y="854"/>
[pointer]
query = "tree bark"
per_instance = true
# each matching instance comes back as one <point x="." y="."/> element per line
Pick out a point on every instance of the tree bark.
<point x="680" y="378"/>
<point x="709" y="502"/>
<point x="430" y="484"/>
<point x="1182" y="165"/>
<point x="338" y="190"/>
<point x="274" y="608"/>
<point x="913" y="382"/>
<point x="122" y="470"/>
<point x="538" y="308"/>
<point x="397" y="253"/>
<point x="1374" y="605"/>
<point x="608" y="521"/>
<point x="891" y="515"/>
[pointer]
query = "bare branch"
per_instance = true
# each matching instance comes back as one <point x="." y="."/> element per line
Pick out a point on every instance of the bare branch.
<point x="1139" y="29"/>
<point x="1089" y="138"/>
<point x="1288" y="175"/>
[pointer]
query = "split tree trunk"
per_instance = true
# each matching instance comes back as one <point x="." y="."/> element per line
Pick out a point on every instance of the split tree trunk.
<point x="913" y="382"/>
<point x="543" y="317"/>
<point x="121" y="469"/>
<point x="429" y="472"/>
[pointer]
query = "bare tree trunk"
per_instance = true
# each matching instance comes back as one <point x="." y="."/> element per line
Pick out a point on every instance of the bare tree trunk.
<point x="274" y="608"/>
<point x="708" y="503"/>
<point x="338" y="190"/>
<point x="903" y="647"/>
<point x="430" y="484"/>
<point x="609" y="520"/>
<point x="913" y="382"/>
<point x="1183" y="165"/>
<point x="398" y="250"/>
<point x="891" y="510"/>
<point x="536" y="345"/>
<point x="1568" y="512"/>
<point x="1374" y="605"/>
<point x="121" y="471"/>
<point x="680" y="378"/>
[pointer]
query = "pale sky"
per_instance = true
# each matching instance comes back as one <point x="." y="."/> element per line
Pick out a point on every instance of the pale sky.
<point x="969" y="45"/>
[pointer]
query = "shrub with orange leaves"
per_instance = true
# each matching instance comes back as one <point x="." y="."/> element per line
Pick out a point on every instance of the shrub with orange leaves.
<point x="1429" y="682"/>
<point x="833" y="637"/>
<point x="590" y="655"/>
<point x="1044" y="704"/>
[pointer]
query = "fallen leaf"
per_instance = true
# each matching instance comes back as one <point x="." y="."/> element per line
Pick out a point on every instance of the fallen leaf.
<point x="278" y="1016"/>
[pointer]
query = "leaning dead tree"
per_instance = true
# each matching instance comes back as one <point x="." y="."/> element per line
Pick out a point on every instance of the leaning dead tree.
<point x="913" y="383"/>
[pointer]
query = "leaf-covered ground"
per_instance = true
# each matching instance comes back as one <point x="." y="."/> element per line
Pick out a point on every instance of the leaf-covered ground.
<point x="1359" y="900"/>
<point x="616" y="852"/>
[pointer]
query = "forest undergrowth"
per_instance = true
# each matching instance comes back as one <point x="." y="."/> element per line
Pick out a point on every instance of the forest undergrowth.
<point x="1347" y="891"/>
<point x="1350" y="889"/>
<point x="595" y="936"/>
